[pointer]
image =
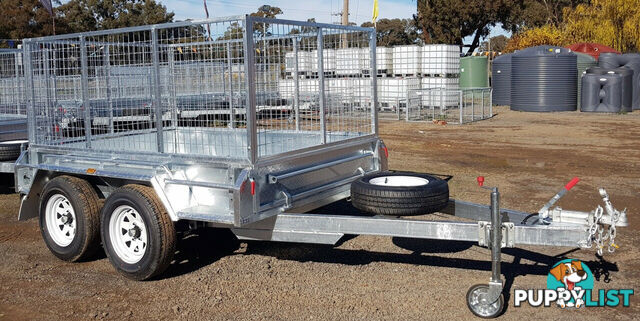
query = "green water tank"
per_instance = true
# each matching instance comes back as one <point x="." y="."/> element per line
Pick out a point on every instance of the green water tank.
<point x="474" y="72"/>
<point x="584" y="62"/>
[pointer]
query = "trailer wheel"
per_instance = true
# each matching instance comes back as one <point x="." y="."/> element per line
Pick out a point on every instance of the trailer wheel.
<point x="399" y="193"/>
<point x="137" y="233"/>
<point x="483" y="309"/>
<point x="10" y="150"/>
<point x="69" y="218"/>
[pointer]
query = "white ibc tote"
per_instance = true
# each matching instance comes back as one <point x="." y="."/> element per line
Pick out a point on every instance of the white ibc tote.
<point x="304" y="62"/>
<point x="349" y="61"/>
<point x="286" y="88"/>
<point x="329" y="58"/>
<point x="445" y="91"/>
<point x="384" y="60"/>
<point x="406" y="60"/>
<point x="391" y="90"/>
<point x="440" y="59"/>
<point x="309" y="86"/>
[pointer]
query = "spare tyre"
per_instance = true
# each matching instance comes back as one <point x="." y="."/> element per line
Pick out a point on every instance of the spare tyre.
<point x="10" y="150"/>
<point x="400" y="193"/>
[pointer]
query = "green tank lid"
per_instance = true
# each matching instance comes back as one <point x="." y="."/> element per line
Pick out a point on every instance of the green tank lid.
<point x="474" y="72"/>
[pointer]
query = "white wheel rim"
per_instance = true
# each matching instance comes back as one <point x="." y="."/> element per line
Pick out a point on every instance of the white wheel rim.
<point x="478" y="304"/>
<point x="399" y="181"/>
<point x="128" y="234"/>
<point x="60" y="220"/>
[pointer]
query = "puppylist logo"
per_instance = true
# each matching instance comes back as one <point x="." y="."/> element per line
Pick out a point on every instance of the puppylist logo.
<point x="570" y="285"/>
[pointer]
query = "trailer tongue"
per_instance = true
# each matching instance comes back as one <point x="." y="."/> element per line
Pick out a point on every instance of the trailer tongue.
<point x="550" y="227"/>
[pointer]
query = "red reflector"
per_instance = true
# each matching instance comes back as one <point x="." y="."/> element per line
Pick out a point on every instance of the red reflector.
<point x="386" y="151"/>
<point x="253" y="187"/>
<point x="57" y="128"/>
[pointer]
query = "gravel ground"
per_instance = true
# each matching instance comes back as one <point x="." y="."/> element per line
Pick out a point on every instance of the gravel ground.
<point x="529" y="156"/>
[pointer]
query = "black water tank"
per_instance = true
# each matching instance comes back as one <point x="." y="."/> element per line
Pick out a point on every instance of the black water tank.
<point x="627" y="83"/>
<point x="631" y="61"/>
<point x="501" y="80"/>
<point x="601" y="93"/>
<point x="544" y="79"/>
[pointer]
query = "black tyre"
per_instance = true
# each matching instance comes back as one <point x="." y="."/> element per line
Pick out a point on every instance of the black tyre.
<point x="10" y="150"/>
<point x="399" y="193"/>
<point x="137" y="232"/>
<point x="70" y="217"/>
<point x="478" y="307"/>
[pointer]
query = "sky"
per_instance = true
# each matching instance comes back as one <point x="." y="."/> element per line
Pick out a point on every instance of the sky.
<point x="322" y="10"/>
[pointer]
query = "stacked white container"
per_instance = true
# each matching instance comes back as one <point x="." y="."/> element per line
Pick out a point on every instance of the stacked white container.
<point x="286" y="88"/>
<point x="384" y="61"/>
<point x="304" y="62"/>
<point x="393" y="92"/>
<point x="440" y="60"/>
<point x="406" y="60"/>
<point x="329" y="58"/>
<point x="362" y="93"/>
<point x="339" y="89"/>
<point x="448" y="95"/>
<point x="349" y="61"/>
<point x="309" y="86"/>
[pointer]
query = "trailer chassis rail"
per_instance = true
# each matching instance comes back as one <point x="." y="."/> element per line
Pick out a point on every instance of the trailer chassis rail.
<point x="549" y="228"/>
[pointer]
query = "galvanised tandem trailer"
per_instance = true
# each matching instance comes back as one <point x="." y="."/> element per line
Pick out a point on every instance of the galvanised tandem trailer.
<point x="132" y="186"/>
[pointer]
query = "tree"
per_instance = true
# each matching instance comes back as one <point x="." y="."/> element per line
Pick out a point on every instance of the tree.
<point x="527" y="14"/>
<point x="27" y="19"/>
<point x="615" y="23"/>
<point x="234" y="31"/>
<point x="265" y="11"/>
<point x="449" y="21"/>
<point x="498" y="43"/>
<point x="395" y="32"/>
<point x="545" y="35"/>
<point x="88" y="15"/>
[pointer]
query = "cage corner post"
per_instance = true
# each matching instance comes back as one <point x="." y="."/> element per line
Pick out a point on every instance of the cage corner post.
<point x="29" y="91"/>
<point x="250" y="72"/>
<point x="296" y="83"/>
<point x="157" y="98"/>
<point x="85" y="91"/>
<point x="321" y="86"/>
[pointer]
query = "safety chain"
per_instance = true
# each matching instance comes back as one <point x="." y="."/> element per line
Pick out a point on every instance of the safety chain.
<point x="597" y="234"/>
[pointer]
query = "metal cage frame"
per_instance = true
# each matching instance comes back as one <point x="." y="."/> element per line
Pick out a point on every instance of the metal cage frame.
<point x="200" y="169"/>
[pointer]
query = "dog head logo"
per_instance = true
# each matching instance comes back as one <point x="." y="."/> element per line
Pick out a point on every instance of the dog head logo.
<point x="569" y="273"/>
<point x="570" y="278"/>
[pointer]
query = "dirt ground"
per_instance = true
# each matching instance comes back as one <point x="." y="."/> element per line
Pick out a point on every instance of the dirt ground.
<point x="528" y="155"/>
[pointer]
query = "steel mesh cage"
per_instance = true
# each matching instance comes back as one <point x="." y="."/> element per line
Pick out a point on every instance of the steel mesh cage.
<point x="12" y="99"/>
<point x="208" y="88"/>
<point x="455" y="106"/>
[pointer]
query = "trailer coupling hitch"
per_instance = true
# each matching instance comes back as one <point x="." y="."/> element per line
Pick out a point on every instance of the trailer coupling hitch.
<point x="601" y="226"/>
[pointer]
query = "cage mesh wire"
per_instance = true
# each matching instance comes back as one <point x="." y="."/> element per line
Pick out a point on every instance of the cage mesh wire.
<point x="321" y="103"/>
<point x="183" y="88"/>
<point x="471" y="104"/>
<point x="12" y="99"/>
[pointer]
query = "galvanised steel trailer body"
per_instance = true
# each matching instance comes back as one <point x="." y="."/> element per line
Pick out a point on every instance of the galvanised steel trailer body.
<point x="258" y="175"/>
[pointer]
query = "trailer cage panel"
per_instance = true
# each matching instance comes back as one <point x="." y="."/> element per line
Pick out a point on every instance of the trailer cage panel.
<point x="193" y="108"/>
